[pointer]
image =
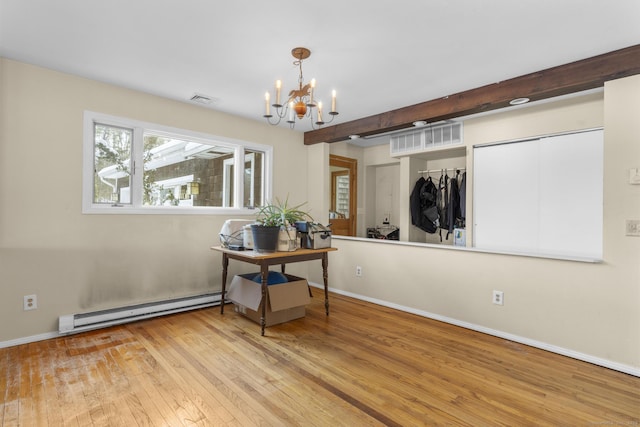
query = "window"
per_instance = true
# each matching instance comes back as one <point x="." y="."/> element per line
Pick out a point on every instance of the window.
<point x="253" y="182"/>
<point x="135" y="167"/>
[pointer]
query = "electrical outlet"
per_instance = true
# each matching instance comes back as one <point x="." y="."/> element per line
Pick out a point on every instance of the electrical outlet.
<point x="30" y="302"/>
<point x="632" y="227"/>
<point x="498" y="297"/>
<point x="358" y="271"/>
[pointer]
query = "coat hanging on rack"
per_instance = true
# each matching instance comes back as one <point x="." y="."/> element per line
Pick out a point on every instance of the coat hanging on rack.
<point x="454" y="206"/>
<point x="414" y="201"/>
<point x="424" y="213"/>
<point x="443" y="201"/>
<point x="463" y="199"/>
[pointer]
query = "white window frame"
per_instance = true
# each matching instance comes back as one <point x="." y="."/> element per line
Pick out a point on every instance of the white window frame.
<point x="139" y="127"/>
<point x="227" y="182"/>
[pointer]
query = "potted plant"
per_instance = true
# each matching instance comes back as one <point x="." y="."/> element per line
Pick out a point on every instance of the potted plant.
<point x="274" y="218"/>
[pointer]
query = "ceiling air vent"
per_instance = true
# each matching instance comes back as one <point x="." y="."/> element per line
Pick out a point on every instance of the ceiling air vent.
<point x="201" y="99"/>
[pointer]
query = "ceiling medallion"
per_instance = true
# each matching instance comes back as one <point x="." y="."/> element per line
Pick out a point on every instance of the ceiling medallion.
<point x="301" y="102"/>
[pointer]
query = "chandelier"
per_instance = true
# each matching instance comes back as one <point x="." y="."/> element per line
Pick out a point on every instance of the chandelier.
<point x="301" y="102"/>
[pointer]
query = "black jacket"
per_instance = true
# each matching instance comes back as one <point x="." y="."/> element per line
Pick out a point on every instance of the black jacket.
<point x="424" y="213"/>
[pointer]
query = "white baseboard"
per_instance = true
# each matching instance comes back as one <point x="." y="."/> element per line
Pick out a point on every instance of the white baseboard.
<point x="27" y="340"/>
<point x="515" y="338"/>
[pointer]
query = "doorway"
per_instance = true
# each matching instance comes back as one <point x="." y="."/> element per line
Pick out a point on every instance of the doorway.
<point x="344" y="196"/>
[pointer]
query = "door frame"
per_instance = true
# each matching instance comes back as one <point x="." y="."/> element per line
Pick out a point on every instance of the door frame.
<point x="352" y="166"/>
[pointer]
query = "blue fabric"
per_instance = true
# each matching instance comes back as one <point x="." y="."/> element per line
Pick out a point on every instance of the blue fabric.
<point x="274" y="278"/>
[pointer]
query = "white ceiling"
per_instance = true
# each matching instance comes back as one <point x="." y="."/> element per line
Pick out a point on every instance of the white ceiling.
<point x="379" y="56"/>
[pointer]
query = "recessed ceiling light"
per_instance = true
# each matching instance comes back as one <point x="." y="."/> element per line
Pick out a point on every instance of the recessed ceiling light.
<point x="519" y="101"/>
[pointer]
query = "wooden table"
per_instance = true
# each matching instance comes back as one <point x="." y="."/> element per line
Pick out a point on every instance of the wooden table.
<point x="264" y="260"/>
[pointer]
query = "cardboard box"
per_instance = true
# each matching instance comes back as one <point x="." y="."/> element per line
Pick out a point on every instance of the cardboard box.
<point x="285" y="301"/>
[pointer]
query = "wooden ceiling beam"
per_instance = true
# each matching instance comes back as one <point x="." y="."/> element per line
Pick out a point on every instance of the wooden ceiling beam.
<point x="574" y="77"/>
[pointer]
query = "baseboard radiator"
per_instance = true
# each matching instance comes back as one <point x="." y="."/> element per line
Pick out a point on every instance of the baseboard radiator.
<point x="74" y="323"/>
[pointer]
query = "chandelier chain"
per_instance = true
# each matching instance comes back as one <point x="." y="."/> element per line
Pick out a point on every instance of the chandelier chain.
<point x="300" y="77"/>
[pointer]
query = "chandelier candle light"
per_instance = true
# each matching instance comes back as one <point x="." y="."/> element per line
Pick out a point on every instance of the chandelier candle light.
<point x="301" y="101"/>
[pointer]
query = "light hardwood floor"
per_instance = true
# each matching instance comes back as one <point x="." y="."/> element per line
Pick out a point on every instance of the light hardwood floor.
<point x="363" y="365"/>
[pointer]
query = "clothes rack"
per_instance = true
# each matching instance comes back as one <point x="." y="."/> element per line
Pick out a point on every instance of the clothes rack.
<point x="440" y="170"/>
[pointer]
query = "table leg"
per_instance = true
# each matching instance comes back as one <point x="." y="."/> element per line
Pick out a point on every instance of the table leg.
<point x="225" y="264"/>
<point x="325" y="277"/>
<point x="264" y="272"/>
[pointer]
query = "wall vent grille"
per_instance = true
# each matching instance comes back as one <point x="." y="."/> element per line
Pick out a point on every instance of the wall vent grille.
<point x="427" y="138"/>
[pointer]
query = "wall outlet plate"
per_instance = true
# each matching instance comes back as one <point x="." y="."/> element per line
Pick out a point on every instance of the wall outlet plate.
<point x="632" y="227"/>
<point x="30" y="302"/>
<point x="498" y="297"/>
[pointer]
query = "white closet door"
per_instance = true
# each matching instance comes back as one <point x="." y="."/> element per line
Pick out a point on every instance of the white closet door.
<point x="571" y="176"/>
<point x="505" y="188"/>
<point x="541" y="196"/>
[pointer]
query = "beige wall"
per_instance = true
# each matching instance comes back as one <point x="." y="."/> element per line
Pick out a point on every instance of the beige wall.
<point x="590" y="311"/>
<point x="75" y="262"/>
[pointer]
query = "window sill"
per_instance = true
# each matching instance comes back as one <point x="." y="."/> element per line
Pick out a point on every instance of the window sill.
<point x="166" y="210"/>
<point x="470" y="249"/>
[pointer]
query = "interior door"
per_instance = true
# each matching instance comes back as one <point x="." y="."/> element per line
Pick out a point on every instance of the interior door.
<point x="342" y="214"/>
